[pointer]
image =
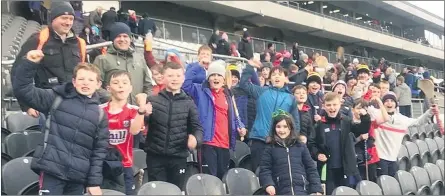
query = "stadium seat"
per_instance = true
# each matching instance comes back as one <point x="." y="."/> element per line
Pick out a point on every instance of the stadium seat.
<point x="424" y="152"/>
<point x="204" y="184"/>
<point x="413" y="132"/>
<point x="403" y="159"/>
<point x="17" y="122"/>
<point x="414" y="154"/>
<point x="422" y="180"/>
<point x="440" y="164"/>
<point x="344" y="190"/>
<point x="434" y="150"/>
<point x="406" y="138"/>
<point x="139" y="159"/>
<point x="16" y="145"/>
<point x="241" y="153"/>
<point x="159" y="188"/>
<point x="407" y="182"/>
<point x="440" y="146"/>
<point x="111" y="192"/>
<point x="5" y="158"/>
<point x="31" y="189"/>
<point x="436" y="130"/>
<point x="366" y="187"/>
<point x="240" y="181"/>
<point x="429" y="131"/>
<point x="389" y="185"/>
<point x="17" y="174"/>
<point x="5" y="132"/>
<point x="437" y="183"/>
<point x="422" y="132"/>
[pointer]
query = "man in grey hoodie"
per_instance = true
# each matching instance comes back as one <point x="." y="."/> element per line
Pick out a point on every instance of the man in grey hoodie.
<point x="403" y="94"/>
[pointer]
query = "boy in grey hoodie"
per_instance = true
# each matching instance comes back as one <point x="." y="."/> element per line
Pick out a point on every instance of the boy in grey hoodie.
<point x="403" y="94"/>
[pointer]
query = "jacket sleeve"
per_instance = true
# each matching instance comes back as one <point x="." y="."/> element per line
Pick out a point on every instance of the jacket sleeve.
<point x="421" y="120"/>
<point x="149" y="58"/>
<point x="100" y="145"/>
<point x="311" y="172"/>
<point x="266" y="162"/>
<point x="189" y="86"/>
<point x="253" y="90"/>
<point x="314" y="141"/>
<point x="26" y="92"/>
<point x="296" y="114"/>
<point x="350" y="163"/>
<point x="299" y="77"/>
<point x="147" y="86"/>
<point x="241" y="49"/>
<point x="141" y="27"/>
<point x="194" y="126"/>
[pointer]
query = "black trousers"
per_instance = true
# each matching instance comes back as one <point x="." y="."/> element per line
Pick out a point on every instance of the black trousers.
<point x="334" y="179"/>
<point x="372" y="172"/>
<point x="215" y="161"/>
<point x="388" y="167"/>
<point x="256" y="152"/>
<point x="50" y="185"/>
<point x="166" y="168"/>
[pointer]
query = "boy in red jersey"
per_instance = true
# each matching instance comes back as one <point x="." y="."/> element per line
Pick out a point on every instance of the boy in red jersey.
<point x="124" y="121"/>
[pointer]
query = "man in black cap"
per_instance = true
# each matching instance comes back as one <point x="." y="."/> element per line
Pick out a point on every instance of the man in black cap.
<point x="61" y="51"/>
<point x="245" y="46"/>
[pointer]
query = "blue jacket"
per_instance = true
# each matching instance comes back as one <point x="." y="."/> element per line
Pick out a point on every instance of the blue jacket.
<point x="77" y="141"/>
<point x="203" y="98"/>
<point x="289" y="168"/>
<point x="269" y="99"/>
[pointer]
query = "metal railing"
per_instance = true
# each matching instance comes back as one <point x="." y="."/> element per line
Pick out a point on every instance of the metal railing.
<point x="352" y="21"/>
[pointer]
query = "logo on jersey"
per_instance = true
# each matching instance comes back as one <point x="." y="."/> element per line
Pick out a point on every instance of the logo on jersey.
<point x="126" y="123"/>
<point x="117" y="136"/>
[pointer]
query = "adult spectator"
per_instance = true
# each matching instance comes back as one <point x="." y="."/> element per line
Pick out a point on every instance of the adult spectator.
<point x="223" y="46"/>
<point x="95" y="18"/>
<point x="213" y="41"/>
<point x="403" y="94"/>
<point x="79" y="22"/>
<point x="90" y="38"/>
<point x="265" y="58"/>
<point x="295" y="53"/>
<point x="271" y="50"/>
<point x="132" y="21"/>
<point x="391" y="76"/>
<point x="61" y="52"/>
<point x="108" y="19"/>
<point x="303" y="72"/>
<point x="245" y="46"/>
<point x="35" y="8"/>
<point x="146" y="25"/>
<point x="121" y="55"/>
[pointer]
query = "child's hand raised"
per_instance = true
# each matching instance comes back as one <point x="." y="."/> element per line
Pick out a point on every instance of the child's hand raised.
<point x="270" y="190"/>
<point x="141" y="99"/>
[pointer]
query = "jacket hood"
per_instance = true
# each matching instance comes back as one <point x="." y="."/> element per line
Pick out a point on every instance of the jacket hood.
<point x="68" y="91"/>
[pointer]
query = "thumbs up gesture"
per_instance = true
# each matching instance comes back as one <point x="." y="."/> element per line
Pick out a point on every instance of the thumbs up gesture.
<point x="35" y="56"/>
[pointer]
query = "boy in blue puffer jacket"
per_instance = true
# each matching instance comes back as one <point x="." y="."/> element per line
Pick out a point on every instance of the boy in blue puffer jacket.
<point x="286" y="166"/>
<point x="268" y="100"/>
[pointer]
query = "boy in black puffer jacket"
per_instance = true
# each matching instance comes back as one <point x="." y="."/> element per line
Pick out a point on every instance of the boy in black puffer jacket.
<point x="76" y="136"/>
<point x="286" y="167"/>
<point x="307" y="128"/>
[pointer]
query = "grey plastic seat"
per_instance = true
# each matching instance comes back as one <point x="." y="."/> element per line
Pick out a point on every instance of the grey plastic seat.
<point x="389" y="185"/>
<point x="344" y="190"/>
<point x="366" y="187"/>
<point x="18" y="122"/>
<point x="159" y="188"/>
<point x="440" y="146"/>
<point x="414" y="154"/>
<point x="434" y="150"/>
<point x="429" y="131"/>
<point x="422" y="132"/>
<point x="422" y="180"/>
<point x="413" y="132"/>
<point x="407" y="182"/>
<point x="240" y="181"/>
<point x="16" y="145"/>
<point x="424" y="152"/>
<point x="204" y="184"/>
<point x="17" y="174"/>
<point x="5" y="158"/>
<point x="31" y="189"/>
<point x="440" y="164"/>
<point x="437" y="183"/>
<point x="436" y="130"/>
<point x="139" y="158"/>
<point x="241" y="152"/>
<point x="403" y="159"/>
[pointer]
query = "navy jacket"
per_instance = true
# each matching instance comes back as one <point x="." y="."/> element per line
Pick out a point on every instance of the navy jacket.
<point x="282" y="167"/>
<point x="78" y="139"/>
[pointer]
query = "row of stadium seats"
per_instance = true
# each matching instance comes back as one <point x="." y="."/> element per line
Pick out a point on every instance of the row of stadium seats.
<point x="420" y="152"/>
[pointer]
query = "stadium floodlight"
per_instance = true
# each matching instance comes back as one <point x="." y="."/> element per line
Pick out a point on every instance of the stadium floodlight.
<point x="335" y="11"/>
<point x="310" y="2"/>
<point x="325" y="6"/>
<point x="359" y="18"/>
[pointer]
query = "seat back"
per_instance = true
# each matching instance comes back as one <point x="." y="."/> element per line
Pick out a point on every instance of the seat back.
<point x="407" y="182"/>
<point x="344" y="190"/>
<point x="413" y="132"/>
<point x="33" y="139"/>
<point x="241" y="151"/>
<point x="435" y="176"/>
<point x="204" y="184"/>
<point x="424" y="152"/>
<point x="111" y="192"/>
<point x="17" y="174"/>
<point x="422" y="179"/>
<point x="159" y="188"/>
<point x="31" y="189"/>
<point x="440" y="164"/>
<point x="139" y="158"/>
<point x="434" y="150"/>
<point x="16" y="144"/>
<point x="429" y="131"/>
<point x="403" y="159"/>
<point x="414" y="154"/>
<point x="17" y="122"/>
<point x="5" y="158"/>
<point x="366" y="187"/>
<point x="240" y="181"/>
<point x="5" y="132"/>
<point x="389" y="185"/>
<point x="422" y="132"/>
<point x="440" y="145"/>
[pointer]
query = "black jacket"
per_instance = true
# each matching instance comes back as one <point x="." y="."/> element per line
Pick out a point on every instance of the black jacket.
<point x="146" y="24"/>
<point x="362" y="128"/>
<point x="318" y="145"/>
<point x="78" y="139"/>
<point x="306" y="126"/>
<point x="282" y="167"/>
<point x="174" y="117"/>
<point x="223" y="47"/>
<point x="57" y="64"/>
<point x="245" y="49"/>
<point x="108" y="18"/>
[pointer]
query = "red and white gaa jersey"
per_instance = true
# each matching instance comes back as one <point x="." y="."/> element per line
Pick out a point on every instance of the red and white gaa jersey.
<point x="119" y="127"/>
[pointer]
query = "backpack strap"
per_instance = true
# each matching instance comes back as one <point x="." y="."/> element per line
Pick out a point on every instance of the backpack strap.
<point x="54" y="107"/>
<point x="44" y="36"/>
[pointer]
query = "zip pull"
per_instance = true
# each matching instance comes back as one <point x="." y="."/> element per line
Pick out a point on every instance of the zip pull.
<point x="287" y="149"/>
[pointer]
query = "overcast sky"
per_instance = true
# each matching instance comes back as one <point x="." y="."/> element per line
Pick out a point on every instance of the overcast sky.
<point x="435" y="7"/>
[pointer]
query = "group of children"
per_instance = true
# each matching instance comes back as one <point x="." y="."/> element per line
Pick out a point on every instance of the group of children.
<point x="295" y="133"/>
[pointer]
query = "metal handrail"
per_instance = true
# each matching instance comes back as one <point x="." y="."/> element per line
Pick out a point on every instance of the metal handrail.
<point x="353" y="23"/>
